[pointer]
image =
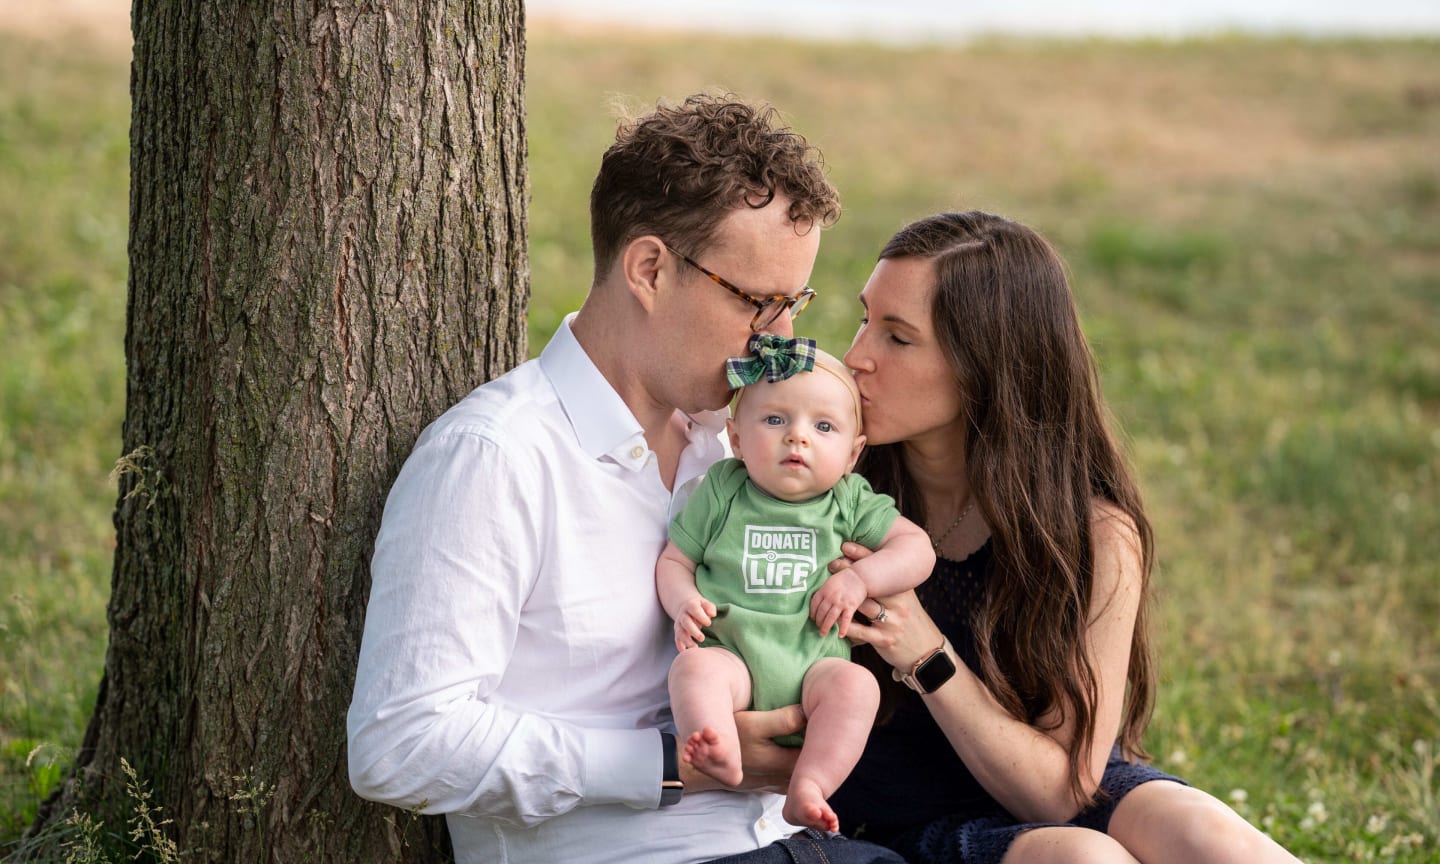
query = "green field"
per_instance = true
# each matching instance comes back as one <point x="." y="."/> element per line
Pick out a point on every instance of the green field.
<point x="1253" y="229"/>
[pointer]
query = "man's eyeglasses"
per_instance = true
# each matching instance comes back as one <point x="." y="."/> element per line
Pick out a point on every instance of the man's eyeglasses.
<point x="767" y="310"/>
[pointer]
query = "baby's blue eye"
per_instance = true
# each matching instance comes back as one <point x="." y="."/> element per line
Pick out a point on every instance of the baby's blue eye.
<point x="773" y="420"/>
<point x="825" y="426"/>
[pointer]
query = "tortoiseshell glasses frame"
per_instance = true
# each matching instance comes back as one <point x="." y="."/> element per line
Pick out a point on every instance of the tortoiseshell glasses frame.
<point x="767" y="309"/>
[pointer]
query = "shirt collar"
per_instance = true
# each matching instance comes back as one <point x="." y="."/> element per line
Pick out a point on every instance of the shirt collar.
<point x="602" y="422"/>
<point x="597" y="414"/>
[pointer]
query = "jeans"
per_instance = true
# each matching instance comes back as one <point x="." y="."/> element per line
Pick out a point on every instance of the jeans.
<point x="815" y="847"/>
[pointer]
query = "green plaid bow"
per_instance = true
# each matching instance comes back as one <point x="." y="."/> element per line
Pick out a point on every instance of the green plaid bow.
<point x="773" y="358"/>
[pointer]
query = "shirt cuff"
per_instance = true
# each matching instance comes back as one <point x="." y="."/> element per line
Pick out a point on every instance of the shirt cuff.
<point x="623" y="766"/>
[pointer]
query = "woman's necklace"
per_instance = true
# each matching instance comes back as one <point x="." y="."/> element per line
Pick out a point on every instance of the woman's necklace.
<point x="937" y="541"/>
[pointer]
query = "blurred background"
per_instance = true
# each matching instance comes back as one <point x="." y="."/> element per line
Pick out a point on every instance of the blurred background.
<point x="1248" y="198"/>
<point x="912" y="21"/>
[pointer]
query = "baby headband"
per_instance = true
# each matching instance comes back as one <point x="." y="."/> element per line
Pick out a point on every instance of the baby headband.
<point x="773" y="358"/>
<point x="776" y="358"/>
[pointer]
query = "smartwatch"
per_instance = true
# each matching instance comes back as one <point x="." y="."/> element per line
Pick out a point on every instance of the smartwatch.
<point x="671" y="786"/>
<point x="930" y="671"/>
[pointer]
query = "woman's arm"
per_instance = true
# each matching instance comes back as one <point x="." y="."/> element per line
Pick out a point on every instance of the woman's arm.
<point x="1021" y="766"/>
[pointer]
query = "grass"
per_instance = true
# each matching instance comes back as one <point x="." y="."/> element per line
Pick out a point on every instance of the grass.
<point x="64" y="118"/>
<point x="1253" y="228"/>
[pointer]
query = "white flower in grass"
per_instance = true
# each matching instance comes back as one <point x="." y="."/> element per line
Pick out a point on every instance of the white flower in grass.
<point x="1239" y="796"/>
<point x="1376" y="823"/>
<point x="1316" y="811"/>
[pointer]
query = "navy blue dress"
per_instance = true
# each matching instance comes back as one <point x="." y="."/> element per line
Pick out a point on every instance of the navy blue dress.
<point x="911" y="791"/>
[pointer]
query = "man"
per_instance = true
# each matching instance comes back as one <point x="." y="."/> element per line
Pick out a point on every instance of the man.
<point x="512" y="673"/>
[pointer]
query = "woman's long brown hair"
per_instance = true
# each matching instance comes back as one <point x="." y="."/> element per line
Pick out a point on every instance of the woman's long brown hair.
<point x="1039" y="453"/>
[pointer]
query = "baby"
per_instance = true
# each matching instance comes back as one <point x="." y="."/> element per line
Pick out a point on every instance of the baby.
<point x="746" y="571"/>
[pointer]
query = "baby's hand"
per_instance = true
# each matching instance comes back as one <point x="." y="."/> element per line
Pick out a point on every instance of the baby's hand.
<point x="695" y="614"/>
<point x="837" y="600"/>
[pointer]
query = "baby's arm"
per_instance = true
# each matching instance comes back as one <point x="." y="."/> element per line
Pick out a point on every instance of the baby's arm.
<point x="905" y="559"/>
<point x="675" y="583"/>
<point x="902" y="561"/>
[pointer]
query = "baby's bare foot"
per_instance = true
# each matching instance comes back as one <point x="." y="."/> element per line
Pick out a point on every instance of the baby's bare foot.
<point x="805" y="805"/>
<point x="720" y="759"/>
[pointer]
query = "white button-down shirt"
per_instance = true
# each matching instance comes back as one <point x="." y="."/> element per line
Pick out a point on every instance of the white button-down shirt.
<point x="512" y="673"/>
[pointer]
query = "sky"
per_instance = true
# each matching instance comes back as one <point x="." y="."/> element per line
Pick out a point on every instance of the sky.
<point x="922" y="20"/>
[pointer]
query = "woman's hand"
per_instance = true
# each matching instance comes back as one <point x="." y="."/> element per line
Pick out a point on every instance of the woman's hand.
<point x="900" y="630"/>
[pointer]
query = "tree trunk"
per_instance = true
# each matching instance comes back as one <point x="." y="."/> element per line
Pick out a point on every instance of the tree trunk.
<point x="327" y="249"/>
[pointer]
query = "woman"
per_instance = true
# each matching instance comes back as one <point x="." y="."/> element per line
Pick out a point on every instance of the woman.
<point x="983" y="411"/>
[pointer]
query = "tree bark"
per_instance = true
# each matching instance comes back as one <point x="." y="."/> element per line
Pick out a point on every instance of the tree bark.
<point x="327" y="249"/>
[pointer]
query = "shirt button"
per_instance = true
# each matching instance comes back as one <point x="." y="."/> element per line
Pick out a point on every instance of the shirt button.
<point x="636" y="452"/>
<point x="762" y="824"/>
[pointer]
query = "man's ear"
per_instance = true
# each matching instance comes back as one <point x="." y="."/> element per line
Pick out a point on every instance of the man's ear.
<point x="640" y="265"/>
<point x="734" y="438"/>
<point x="855" y="452"/>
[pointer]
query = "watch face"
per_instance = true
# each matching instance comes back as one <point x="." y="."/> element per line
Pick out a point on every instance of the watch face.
<point x="934" y="672"/>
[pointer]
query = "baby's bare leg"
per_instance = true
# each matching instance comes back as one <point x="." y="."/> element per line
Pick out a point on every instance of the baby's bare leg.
<point x="707" y="687"/>
<point x="840" y="699"/>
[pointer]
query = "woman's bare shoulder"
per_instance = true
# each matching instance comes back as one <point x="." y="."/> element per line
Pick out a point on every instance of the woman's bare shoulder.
<point x="1119" y="555"/>
<point x="1109" y="524"/>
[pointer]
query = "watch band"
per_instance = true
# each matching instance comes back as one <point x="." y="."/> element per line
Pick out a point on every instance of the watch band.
<point x="930" y="672"/>
<point x="671" y="786"/>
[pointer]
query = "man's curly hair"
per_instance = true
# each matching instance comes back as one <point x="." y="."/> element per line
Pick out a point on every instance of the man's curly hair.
<point x="677" y="171"/>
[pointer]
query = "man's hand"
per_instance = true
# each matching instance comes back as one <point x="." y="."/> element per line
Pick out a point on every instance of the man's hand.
<point x="837" y="600"/>
<point x="767" y="765"/>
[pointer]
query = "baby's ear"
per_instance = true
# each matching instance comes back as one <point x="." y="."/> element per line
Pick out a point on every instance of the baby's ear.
<point x="734" y="438"/>
<point x="855" y="452"/>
